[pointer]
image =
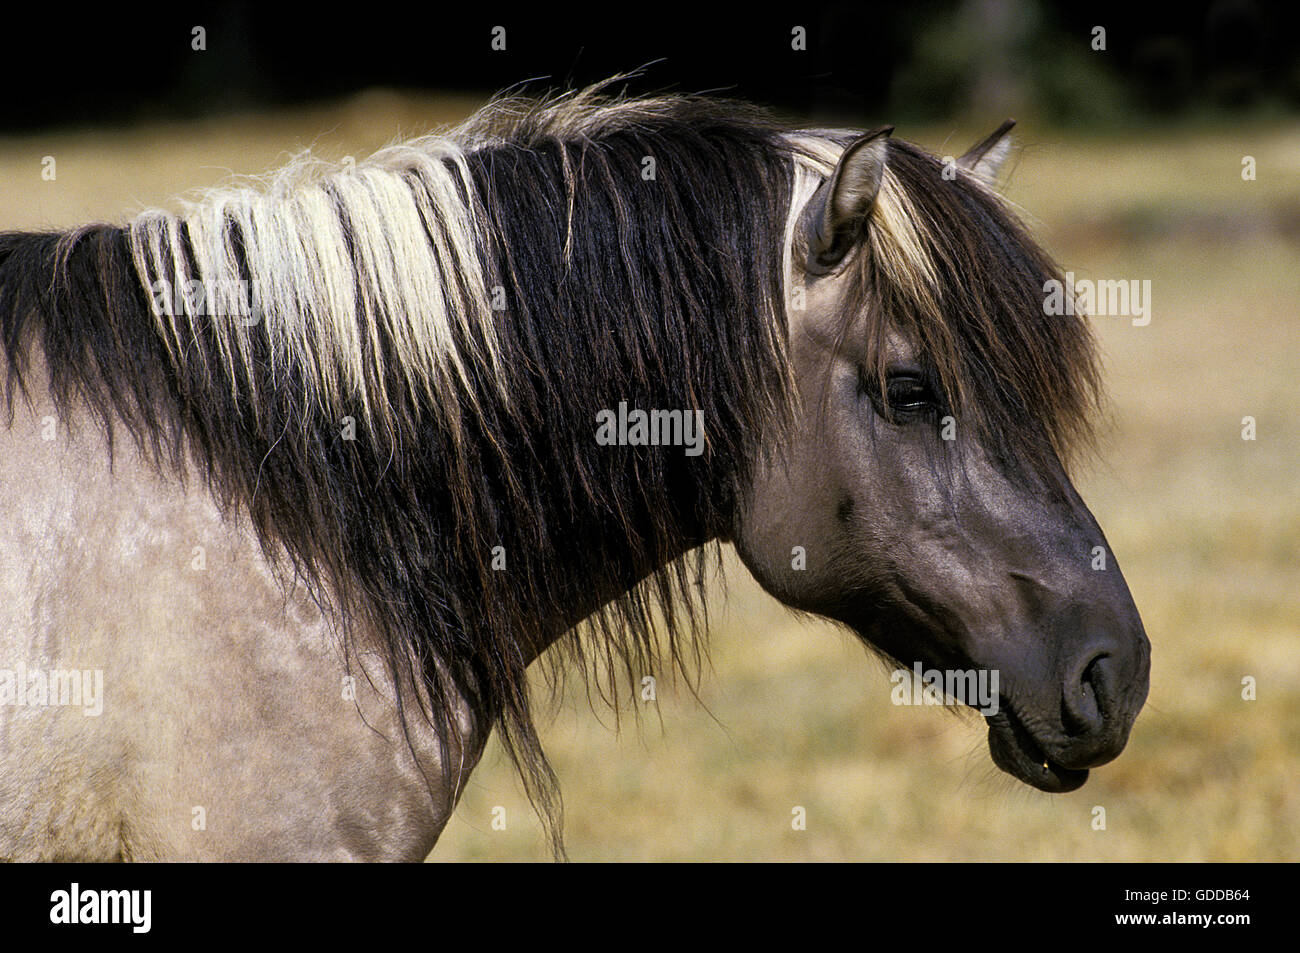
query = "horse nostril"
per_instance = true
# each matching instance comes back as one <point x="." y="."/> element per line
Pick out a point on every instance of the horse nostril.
<point x="1083" y="707"/>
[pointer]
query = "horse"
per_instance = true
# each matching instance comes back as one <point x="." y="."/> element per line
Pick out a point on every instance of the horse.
<point x="302" y="477"/>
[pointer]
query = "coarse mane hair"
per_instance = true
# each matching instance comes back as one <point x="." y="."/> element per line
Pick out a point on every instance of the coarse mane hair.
<point x="948" y="264"/>
<point x="394" y="367"/>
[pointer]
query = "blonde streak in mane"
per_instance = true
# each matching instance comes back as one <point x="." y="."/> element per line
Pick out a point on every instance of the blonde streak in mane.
<point x="259" y="249"/>
<point x="898" y="248"/>
<point x="403" y="286"/>
<point x="356" y="341"/>
<point x="449" y="224"/>
<point x="901" y="250"/>
<point x="317" y="295"/>
<point x="814" y="160"/>
<point x="291" y="314"/>
<point x="328" y="326"/>
<point x="809" y="168"/>
<point x="330" y="269"/>
<point x="412" y="275"/>
<point x="467" y="236"/>
<point x="805" y="181"/>
<point x="218" y="268"/>
<point x="365" y="196"/>
<point x="355" y="338"/>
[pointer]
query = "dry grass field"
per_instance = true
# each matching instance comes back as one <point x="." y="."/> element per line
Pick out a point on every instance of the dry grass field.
<point x="795" y="713"/>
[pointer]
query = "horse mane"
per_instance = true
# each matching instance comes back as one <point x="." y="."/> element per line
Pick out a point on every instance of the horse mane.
<point x="450" y="300"/>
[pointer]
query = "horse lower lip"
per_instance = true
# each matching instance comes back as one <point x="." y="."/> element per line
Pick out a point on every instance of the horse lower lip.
<point x="1014" y="750"/>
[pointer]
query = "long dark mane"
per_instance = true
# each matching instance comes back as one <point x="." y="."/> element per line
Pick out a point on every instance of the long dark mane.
<point x="471" y="302"/>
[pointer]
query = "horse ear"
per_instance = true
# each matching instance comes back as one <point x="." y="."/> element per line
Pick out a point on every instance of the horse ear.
<point x="837" y="213"/>
<point x="985" y="158"/>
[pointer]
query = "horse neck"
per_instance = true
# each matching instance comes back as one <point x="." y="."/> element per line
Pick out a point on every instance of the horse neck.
<point x="611" y="317"/>
<point x="597" y="510"/>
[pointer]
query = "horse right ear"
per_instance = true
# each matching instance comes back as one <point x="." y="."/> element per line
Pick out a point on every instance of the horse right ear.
<point x="836" y="216"/>
<point x="985" y="158"/>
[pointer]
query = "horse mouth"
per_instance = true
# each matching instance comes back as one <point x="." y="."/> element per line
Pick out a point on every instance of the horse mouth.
<point x="1015" y="751"/>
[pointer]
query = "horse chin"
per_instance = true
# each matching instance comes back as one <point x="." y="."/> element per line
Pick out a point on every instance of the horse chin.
<point x="1014" y="751"/>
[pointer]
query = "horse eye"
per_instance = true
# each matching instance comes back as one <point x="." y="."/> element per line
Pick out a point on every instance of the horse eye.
<point x="908" y="393"/>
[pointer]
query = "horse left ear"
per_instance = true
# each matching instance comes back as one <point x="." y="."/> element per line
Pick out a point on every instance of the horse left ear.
<point x="837" y="213"/>
<point x="985" y="158"/>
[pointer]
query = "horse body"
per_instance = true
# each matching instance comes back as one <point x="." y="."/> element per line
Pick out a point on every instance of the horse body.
<point x="313" y="547"/>
<point x="233" y="726"/>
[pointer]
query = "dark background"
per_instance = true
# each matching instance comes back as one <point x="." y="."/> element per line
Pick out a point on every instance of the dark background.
<point x="915" y="60"/>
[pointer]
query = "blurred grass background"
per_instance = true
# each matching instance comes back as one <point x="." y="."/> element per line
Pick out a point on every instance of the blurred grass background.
<point x="795" y="713"/>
